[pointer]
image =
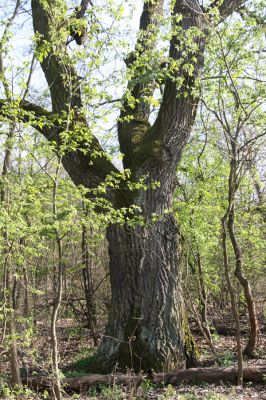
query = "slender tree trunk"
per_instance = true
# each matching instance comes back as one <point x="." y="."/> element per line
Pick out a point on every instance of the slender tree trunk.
<point x="58" y="298"/>
<point x="233" y="303"/>
<point x="11" y="327"/>
<point x="88" y="286"/>
<point x="190" y="306"/>
<point x="233" y="184"/>
<point x="55" y="312"/>
<point x="14" y="361"/>
<point x="203" y="301"/>
<point x="252" y="340"/>
<point x="26" y="292"/>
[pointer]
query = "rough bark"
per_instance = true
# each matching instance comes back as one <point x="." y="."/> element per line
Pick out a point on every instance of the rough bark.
<point x="228" y="374"/>
<point x="147" y="326"/>
<point x="226" y="7"/>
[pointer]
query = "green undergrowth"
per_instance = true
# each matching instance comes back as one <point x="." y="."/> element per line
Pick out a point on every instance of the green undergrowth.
<point x="225" y="358"/>
<point x="81" y="363"/>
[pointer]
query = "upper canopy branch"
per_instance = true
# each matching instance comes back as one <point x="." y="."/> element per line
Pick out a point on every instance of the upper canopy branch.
<point x="179" y="103"/>
<point x="227" y="7"/>
<point x="27" y="112"/>
<point x="79" y="34"/>
<point x="83" y="8"/>
<point x="59" y="72"/>
<point x="87" y="164"/>
<point x="133" y="123"/>
<point x="178" y="108"/>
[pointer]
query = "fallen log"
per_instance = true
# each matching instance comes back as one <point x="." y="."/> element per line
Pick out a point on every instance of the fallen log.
<point x="213" y="374"/>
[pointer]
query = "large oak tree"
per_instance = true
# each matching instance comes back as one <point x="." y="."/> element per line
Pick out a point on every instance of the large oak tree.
<point x="147" y="326"/>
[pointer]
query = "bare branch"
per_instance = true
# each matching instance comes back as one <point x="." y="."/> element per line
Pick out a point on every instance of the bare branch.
<point x="252" y="140"/>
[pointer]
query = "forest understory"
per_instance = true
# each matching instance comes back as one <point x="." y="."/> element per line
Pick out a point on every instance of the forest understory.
<point x="76" y="348"/>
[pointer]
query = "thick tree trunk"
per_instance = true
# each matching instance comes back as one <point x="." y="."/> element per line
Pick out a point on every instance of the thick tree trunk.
<point x="147" y="326"/>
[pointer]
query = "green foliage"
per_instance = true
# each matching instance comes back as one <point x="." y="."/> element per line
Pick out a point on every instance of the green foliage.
<point x="225" y="358"/>
<point x="81" y="363"/>
<point x="147" y="384"/>
<point x="103" y="392"/>
<point x="202" y="191"/>
<point x="17" y="393"/>
<point x="169" y="393"/>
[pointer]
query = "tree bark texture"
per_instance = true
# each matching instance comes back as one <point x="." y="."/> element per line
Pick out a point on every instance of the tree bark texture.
<point x="147" y="326"/>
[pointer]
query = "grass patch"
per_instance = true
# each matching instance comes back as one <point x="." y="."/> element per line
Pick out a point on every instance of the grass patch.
<point x="81" y="363"/>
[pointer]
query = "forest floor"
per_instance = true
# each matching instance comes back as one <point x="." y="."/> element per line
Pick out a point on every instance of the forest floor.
<point x="76" y="348"/>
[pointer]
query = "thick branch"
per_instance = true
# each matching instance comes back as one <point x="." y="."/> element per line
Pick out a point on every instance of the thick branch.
<point x="227" y="7"/>
<point x="82" y="8"/>
<point x="61" y="77"/>
<point x="133" y="124"/>
<point x="83" y="166"/>
<point x="167" y="138"/>
<point x="79" y="35"/>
